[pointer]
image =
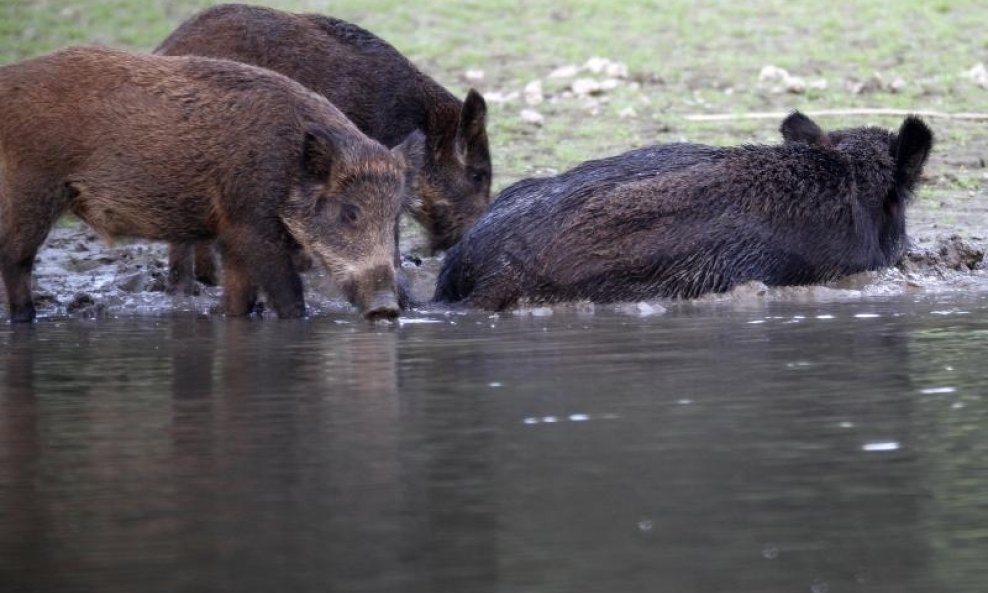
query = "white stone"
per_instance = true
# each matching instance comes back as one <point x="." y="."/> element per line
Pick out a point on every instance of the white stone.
<point x="585" y="86"/>
<point x="979" y="75"/>
<point x="501" y="96"/>
<point x="531" y="116"/>
<point x="533" y="93"/>
<point x="628" y="113"/>
<point x="568" y="71"/>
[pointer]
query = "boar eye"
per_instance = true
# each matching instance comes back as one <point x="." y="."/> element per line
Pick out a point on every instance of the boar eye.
<point x="478" y="176"/>
<point x="349" y="214"/>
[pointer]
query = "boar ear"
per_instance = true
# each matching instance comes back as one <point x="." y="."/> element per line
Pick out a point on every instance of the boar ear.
<point x="471" y="137"/>
<point x="914" y="144"/>
<point x="799" y="129"/>
<point x="412" y="152"/>
<point x="320" y="151"/>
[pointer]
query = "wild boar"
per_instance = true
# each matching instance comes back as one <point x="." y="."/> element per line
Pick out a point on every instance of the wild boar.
<point x="681" y="220"/>
<point x="375" y="86"/>
<point x="187" y="149"/>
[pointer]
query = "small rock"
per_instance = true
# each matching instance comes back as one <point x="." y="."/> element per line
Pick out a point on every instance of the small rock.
<point x="979" y="75"/>
<point x="81" y="300"/>
<point x="875" y="83"/>
<point x="781" y="81"/>
<point x="772" y="73"/>
<point x="568" y="71"/>
<point x="627" y="113"/>
<point x="533" y="93"/>
<point x="531" y="116"/>
<point x="585" y="86"/>
<point x="474" y="75"/>
<point x="598" y="65"/>
<point x="136" y="282"/>
<point x="501" y="96"/>
<point x="616" y="70"/>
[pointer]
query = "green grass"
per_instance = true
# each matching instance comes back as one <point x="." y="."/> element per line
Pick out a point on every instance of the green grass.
<point x="688" y="56"/>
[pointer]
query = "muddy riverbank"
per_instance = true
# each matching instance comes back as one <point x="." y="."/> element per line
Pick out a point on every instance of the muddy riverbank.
<point x="78" y="274"/>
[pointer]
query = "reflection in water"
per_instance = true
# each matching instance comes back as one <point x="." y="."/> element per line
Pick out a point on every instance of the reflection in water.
<point x="792" y="448"/>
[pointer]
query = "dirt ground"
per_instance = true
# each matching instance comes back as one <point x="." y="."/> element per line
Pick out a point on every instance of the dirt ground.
<point x="79" y="275"/>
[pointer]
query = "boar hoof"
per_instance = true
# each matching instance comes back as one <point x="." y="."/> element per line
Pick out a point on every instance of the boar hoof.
<point x="22" y="314"/>
<point x="209" y="277"/>
<point x="184" y="286"/>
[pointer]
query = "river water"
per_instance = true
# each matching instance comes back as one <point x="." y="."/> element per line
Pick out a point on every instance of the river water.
<point x="782" y="446"/>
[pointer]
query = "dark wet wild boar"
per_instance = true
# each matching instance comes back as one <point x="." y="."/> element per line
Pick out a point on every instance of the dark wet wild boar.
<point x="681" y="220"/>
<point x="187" y="149"/>
<point x="383" y="93"/>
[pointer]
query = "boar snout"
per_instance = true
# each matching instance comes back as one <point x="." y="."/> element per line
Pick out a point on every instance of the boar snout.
<point x="374" y="292"/>
<point x="383" y="305"/>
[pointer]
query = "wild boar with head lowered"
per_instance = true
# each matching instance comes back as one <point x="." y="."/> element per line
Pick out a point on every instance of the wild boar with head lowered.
<point x="375" y="86"/>
<point x="681" y="220"/>
<point x="186" y="149"/>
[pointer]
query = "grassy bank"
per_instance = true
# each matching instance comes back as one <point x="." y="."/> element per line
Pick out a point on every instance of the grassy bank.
<point x="683" y="57"/>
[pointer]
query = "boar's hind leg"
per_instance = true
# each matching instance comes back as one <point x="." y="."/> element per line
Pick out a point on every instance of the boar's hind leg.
<point x="205" y="268"/>
<point x="24" y="223"/>
<point x="180" y="268"/>
<point x="248" y="264"/>
<point x="188" y="262"/>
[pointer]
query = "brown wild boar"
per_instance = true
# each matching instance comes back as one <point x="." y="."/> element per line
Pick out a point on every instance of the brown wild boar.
<point x="187" y="149"/>
<point x="681" y="220"/>
<point x="383" y="93"/>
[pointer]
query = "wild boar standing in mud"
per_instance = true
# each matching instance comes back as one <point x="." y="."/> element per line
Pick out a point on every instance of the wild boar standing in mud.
<point x="375" y="86"/>
<point x="681" y="220"/>
<point x="186" y="149"/>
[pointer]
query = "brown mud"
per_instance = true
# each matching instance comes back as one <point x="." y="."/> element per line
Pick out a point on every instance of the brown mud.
<point x="78" y="275"/>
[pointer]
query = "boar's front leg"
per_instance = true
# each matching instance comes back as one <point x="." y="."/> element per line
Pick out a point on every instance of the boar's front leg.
<point x="26" y="216"/>
<point x="251" y="261"/>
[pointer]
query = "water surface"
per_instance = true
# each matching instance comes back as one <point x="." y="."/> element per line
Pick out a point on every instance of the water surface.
<point x="766" y="448"/>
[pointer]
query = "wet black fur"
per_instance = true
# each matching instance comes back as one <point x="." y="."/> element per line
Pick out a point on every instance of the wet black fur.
<point x="681" y="220"/>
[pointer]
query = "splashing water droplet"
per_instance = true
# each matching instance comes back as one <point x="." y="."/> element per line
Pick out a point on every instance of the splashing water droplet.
<point x="881" y="446"/>
<point x="937" y="390"/>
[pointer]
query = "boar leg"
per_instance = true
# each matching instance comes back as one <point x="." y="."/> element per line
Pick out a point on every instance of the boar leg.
<point x="188" y="262"/>
<point x="180" y="271"/>
<point x="205" y="264"/>
<point x="24" y="224"/>
<point x="239" y="290"/>
<point x="251" y="262"/>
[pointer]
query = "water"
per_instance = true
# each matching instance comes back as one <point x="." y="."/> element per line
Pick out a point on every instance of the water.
<point x="717" y="447"/>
